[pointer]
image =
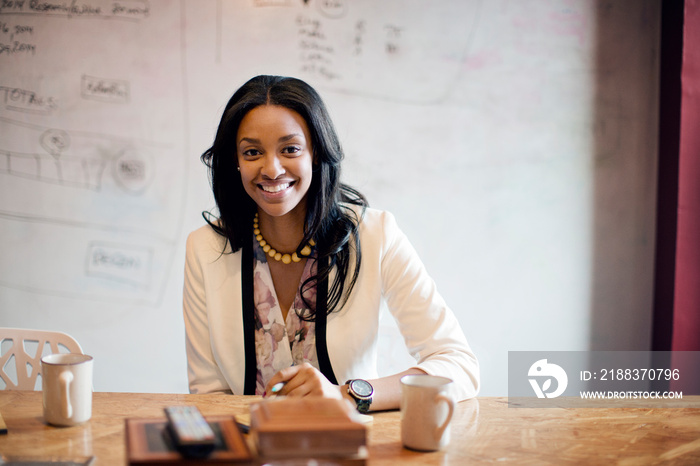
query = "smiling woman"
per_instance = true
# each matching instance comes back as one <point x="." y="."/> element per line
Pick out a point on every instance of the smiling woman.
<point x="288" y="282"/>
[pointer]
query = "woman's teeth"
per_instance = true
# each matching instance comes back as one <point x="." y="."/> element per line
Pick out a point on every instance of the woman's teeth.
<point x="276" y="188"/>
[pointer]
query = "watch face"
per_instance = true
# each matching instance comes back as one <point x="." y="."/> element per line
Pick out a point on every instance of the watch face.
<point x="362" y="387"/>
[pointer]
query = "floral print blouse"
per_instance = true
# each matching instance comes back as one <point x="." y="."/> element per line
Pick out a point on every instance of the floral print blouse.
<point x="272" y="332"/>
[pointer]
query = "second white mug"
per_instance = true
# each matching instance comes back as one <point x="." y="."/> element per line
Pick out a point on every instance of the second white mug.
<point x="427" y="407"/>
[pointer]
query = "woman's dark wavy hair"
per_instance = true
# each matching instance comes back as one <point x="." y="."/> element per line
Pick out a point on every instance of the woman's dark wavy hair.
<point x="329" y="220"/>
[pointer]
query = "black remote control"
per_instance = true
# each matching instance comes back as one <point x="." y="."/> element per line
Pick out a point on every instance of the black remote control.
<point x="191" y="433"/>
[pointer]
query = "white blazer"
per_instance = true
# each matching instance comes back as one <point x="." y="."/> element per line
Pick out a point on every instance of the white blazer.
<point x="391" y="277"/>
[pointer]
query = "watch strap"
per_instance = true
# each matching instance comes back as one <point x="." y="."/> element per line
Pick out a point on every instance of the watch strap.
<point x="363" y="405"/>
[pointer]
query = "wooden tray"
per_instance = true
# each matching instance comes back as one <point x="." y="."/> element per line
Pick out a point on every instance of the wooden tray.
<point x="148" y="442"/>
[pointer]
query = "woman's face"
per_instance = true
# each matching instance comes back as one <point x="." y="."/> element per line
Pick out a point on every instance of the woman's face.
<point x="276" y="159"/>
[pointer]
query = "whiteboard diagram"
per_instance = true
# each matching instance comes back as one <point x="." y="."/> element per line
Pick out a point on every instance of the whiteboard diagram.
<point x="92" y="147"/>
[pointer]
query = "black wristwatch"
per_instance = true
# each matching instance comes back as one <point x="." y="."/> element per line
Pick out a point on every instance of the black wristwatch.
<point x="361" y="391"/>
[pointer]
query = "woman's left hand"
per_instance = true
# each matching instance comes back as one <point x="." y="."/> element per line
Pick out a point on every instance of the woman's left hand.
<point x="303" y="380"/>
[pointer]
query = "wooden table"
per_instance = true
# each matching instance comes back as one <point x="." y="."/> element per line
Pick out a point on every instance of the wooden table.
<point x="484" y="430"/>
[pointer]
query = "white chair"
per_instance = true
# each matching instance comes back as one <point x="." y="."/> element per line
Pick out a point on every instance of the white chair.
<point x="21" y="351"/>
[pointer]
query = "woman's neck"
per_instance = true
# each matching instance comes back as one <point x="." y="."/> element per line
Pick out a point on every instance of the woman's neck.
<point x="282" y="233"/>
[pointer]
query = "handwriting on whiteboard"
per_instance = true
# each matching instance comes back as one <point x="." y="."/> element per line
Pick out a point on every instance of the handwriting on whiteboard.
<point x="397" y="55"/>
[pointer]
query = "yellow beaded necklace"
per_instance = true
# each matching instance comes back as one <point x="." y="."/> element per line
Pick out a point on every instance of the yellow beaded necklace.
<point x="278" y="256"/>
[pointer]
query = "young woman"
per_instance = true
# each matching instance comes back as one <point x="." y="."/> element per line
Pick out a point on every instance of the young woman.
<point x="288" y="282"/>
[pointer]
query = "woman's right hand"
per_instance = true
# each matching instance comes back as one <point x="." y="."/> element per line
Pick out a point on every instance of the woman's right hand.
<point x="303" y="380"/>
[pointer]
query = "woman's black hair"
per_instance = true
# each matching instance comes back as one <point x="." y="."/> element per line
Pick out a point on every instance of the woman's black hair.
<point x="330" y="220"/>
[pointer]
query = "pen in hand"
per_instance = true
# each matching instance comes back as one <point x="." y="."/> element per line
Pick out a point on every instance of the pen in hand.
<point x="277" y="387"/>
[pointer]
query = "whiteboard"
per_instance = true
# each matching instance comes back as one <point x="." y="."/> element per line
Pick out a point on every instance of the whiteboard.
<point x="514" y="141"/>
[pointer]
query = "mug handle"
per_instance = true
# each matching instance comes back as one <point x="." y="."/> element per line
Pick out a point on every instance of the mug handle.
<point x="451" y="405"/>
<point x="64" y="381"/>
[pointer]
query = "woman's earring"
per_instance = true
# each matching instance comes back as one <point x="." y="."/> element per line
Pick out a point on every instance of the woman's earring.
<point x="239" y="168"/>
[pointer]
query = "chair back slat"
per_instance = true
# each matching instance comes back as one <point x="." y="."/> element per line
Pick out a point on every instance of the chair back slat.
<point x="27" y="367"/>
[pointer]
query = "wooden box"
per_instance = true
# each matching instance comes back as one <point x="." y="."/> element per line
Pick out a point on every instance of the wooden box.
<point x="310" y="427"/>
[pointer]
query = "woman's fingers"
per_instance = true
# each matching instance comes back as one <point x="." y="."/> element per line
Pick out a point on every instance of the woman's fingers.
<point x="283" y="376"/>
<point x="303" y="380"/>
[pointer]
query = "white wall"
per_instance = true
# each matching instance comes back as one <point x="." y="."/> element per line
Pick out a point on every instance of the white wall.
<point x="514" y="141"/>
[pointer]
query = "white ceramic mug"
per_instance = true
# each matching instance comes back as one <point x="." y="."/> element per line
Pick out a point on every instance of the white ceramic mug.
<point x="426" y="411"/>
<point x="66" y="381"/>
